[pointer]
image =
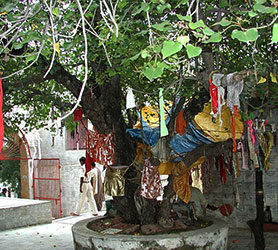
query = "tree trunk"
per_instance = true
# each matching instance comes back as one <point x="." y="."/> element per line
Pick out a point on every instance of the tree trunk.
<point x="256" y="225"/>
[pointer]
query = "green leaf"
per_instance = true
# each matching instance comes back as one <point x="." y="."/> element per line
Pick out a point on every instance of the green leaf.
<point x="144" y="7"/>
<point x="263" y="9"/>
<point x="223" y="3"/>
<point x="193" y="51"/>
<point x="154" y="72"/>
<point x="30" y="58"/>
<point x="56" y="11"/>
<point x="156" y="49"/>
<point x="224" y="22"/>
<point x="196" y="25"/>
<point x="170" y="48"/>
<point x="275" y="33"/>
<point x="135" y="57"/>
<point x="252" y="13"/>
<point x="183" y="2"/>
<point x="162" y="26"/>
<point x="248" y="36"/>
<point x="183" y="40"/>
<point x="260" y="1"/>
<point x="186" y="18"/>
<point x="145" y="54"/>
<point x="207" y="31"/>
<point x="215" y="38"/>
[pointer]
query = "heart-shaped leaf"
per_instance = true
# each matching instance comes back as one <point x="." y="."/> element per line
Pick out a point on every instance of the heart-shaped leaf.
<point x="183" y="40"/>
<point x="207" y="31"/>
<point x="193" y="51"/>
<point x="224" y="22"/>
<point x="170" y="48"/>
<point x="154" y="72"/>
<point x="248" y="36"/>
<point x="196" y="25"/>
<point x="215" y="38"/>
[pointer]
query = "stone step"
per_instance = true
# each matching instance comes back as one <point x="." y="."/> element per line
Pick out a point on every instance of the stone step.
<point x="15" y="212"/>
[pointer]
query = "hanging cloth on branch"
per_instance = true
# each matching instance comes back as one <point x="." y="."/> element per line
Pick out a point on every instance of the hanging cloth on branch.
<point x="100" y="147"/>
<point x="130" y="100"/>
<point x="1" y="116"/>
<point x="150" y="181"/>
<point x="77" y="114"/>
<point x="163" y="128"/>
<point x="217" y="93"/>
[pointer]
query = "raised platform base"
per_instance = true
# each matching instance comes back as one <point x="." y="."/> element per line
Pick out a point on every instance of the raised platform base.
<point x="214" y="237"/>
<point x="16" y="213"/>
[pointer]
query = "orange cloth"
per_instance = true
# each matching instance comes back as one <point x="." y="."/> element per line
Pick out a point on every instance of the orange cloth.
<point x="180" y="123"/>
<point x="181" y="182"/>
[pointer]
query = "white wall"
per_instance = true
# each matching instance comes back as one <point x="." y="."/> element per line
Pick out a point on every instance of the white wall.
<point x="49" y="146"/>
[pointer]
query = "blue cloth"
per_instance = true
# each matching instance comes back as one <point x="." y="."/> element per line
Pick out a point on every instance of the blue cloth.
<point x="180" y="144"/>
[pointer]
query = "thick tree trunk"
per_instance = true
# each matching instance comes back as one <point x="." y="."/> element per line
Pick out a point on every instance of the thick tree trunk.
<point x="256" y="225"/>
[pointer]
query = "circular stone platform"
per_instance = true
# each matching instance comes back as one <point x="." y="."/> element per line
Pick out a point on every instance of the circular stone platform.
<point x="214" y="237"/>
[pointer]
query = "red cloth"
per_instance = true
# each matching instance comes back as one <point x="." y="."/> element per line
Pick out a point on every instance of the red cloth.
<point x="88" y="161"/>
<point x="150" y="182"/>
<point x="222" y="169"/>
<point x="100" y="147"/>
<point x="180" y="123"/>
<point x="1" y="116"/>
<point x="77" y="114"/>
<point x="214" y="96"/>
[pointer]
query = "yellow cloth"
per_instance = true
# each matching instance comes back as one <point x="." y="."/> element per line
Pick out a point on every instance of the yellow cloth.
<point x="114" y="182"/>
<point x="214" y="131"/>
<point x="181" y="179"/>
<point x="150" y="115"/>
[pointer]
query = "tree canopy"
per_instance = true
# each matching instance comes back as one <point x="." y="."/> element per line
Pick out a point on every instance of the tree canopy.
<point x="147" y="44"/>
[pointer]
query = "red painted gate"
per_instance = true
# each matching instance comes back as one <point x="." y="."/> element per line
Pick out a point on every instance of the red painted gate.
<point x="47" y="183"/>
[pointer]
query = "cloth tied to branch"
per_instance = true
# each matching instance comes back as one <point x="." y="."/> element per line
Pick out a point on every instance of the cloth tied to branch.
<point x="114" y="181"/>
<point x="130" y="100"/>
<point x="150" y="181"/>
<point x="163" y="128"/>
<point x="100" y="147"/>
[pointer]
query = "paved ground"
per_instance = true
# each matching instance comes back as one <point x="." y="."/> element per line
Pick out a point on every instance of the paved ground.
<point x="57" y="235"/>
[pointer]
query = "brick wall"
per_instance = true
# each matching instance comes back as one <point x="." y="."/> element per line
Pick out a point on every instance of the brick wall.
<point x="218" y="193"/>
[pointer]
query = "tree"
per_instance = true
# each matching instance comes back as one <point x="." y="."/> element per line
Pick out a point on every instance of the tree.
<point x="10" y="174"/>
<point x="62" y="53"/>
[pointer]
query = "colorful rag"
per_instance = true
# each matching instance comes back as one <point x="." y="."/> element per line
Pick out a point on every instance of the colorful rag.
<point x="88" y="162"/>
<point x="77" y="114"/>
<point x="150" y="181"/>
<point x="240" y="147"/>
<point x="181" y="182"/>
<point x="100" y="147"/>
<point x="180" y="123"/>
<point x="130" y="100"/>
<point x="233" y="128"/>
<point x="214" y="96"/>
<point x="114" y="181"/>
<point x="163" y="128"/>
<point x="1" y="116"/>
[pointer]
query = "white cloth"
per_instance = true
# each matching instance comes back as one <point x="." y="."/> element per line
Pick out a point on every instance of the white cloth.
<point x="234" y="90"/>
<point x="130" y="100"/>
<point x="87" y="191"/>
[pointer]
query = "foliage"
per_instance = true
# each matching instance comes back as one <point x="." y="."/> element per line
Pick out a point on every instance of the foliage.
<point x="10" y="174"/>
<point x="150" y="44"/>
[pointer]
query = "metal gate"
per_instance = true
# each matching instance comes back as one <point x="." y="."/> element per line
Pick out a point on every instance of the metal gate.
<point x="47" y="183"/>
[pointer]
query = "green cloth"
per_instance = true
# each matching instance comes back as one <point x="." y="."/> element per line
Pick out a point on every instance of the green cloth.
<point x="163" y="128"/>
